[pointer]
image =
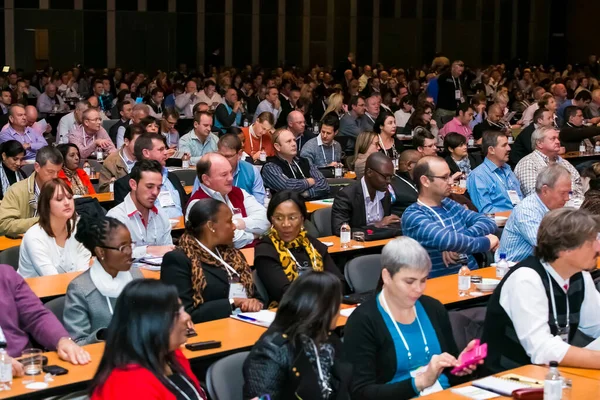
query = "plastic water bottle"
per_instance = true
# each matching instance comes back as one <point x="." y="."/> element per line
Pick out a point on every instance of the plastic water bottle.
<point x="267" y="197"/>
<point x="569" y="203"/>
<point x="111" y="187"/>
<point x="87" y="168"/>
<point x="316" y="128"/>
<point x="502" y="266"/>
<point x="597" y="148"/>
<point x="464" y="281"/>
<point x="338" y="170"/>
<point x="582" y="147"/>
<point x="471" y="142"/>
<point x="263" y="155"/>
<point x="345" y="236"/>
<point x="245" y="122"/>
<point x="553" y="383"/>
<point x="6" y="375"/>
<point x="99" y="154"/>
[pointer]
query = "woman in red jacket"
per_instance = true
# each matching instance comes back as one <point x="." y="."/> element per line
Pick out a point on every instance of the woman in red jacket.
<point x="142" y="359"/>
<point x="77" y="179"/>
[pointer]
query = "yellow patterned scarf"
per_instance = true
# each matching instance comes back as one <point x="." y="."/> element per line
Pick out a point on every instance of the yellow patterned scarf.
<point x="287" y="262"/>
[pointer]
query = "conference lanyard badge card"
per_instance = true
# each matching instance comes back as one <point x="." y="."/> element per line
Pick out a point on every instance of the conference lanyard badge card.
<point x="236" y="289"/>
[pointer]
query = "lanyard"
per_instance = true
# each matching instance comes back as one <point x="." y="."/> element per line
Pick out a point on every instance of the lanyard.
<point x="182" y="392"/>
<point x="546" y="265"/>
<point x="110" y="309"/>
<point x="505" y="184"/>
<point x="436" y="214"/>
<point x="314" y="258"/>
<point x="393" y="148"/>
<point x="299" y="169"/>
<point x="332" y="153"/>
<point x="459" y="85"/>
<point x="251" y="138"/>
<point x="129" y="166"/>
<point x="228" y="267"/>
<point x="322" y="381"/>
<point x="387" y="310"/>
<point x="408" y="183"/>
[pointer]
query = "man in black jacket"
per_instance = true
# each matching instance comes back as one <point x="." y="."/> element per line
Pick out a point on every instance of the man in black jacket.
<point x="366" y="202"/>
<point x="573" y="131"/>
<point x="403" y="185"/>
<point x="172" y="198"/>
<point x="522" y="147"/>
<point x="125" y="109"/>
<point x="492" y="123"/>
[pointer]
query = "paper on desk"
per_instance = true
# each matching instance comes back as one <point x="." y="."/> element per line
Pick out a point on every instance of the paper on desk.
<point x="345" y="312"/>
<point x="327" y="202"/>
<point x="474" y="393"/>
<point x="261" y="318"/>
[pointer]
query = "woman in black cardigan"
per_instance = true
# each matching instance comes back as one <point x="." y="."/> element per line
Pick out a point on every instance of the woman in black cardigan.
<point x="287" y="251"/>
<point x="390" y="338"/>
<point x="212" y="277"/>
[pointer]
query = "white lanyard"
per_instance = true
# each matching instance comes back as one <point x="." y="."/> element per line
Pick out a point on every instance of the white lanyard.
<point x="321" y="378"/>
<point x="436" y="214"/>
<point x="125" y="161"/>
<point x="251" y="138"/>
<point x="314" y="258"/>
<point x="393" y="148"/>
<point x="505" y="184"/>
<point x="228" y="267"/>
<point x="332" y="153"/>
<point x="554" y="301"/>
<point x="408" y="183"/>
<point x="459" y="85"/>
<point x="110" y="309"/>
<point x="369" y="116"/>
<point x="181" y="391"/>
<point x="2" y="337"/>
<point x="299" y="169"/>
<point x="387" y="310"/>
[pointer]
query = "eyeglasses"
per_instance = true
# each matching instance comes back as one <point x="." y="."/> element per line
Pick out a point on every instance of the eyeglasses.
<point x="126" y="248"/>
<point x="388" y="178"/>
<point x="446" y="178"/>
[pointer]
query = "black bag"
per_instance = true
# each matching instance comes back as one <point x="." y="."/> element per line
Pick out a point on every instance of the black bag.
<point x="89" y="207"/>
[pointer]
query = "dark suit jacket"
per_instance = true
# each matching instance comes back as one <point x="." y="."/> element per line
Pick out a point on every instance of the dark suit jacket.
<point x="122" y="189"/>
<point x="571" y="136"/>
<point x="406" y="194"/>
<point x="318" y="109"/>
<point x="112" y="132"/>
<point x="286" y="108"/>
<point x="482" y="127"/>
<point x="474" y="159"/>
<point x="522" y="145"/>
<point x="349" y="206"/>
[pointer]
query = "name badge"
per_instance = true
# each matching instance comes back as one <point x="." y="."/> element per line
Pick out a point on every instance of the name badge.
<point x="563" y="333"/>
<point x="514" y="197"/>
<point x="165" y="199"/>
<point x="457" y="94"/>
<point x="237" y="290"/>
<point x="436" y="387"/>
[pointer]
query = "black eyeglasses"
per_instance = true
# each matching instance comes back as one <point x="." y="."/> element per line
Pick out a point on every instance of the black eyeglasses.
<point x="388" y="178"/>
<point x="447" y="178"/>
<point x="126" y="248"/>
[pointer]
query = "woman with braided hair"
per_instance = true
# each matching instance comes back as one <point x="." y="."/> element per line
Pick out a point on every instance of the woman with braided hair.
<point x="212" y="277"/>
<point x="91" y="297"/>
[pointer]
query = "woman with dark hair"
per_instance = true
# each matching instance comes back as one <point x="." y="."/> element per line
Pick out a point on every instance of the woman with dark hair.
<point x="404" y="113"/>
<point x="287" y="251"/>
<point x="77" y="179"/>
<point x="50" y="247"/>
<point x="421" y="119"/>
<point x="12" y="153"/>
<point x="385" y="127"/>
<point x="459" y="159"/>
<point x="142" y="357"/>
<point x="91" y="296"/>
<point x="298" y="357"/>
<point x="212" y="277"/>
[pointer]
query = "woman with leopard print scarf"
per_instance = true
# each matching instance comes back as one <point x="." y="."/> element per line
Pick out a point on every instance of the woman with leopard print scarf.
<point x="212" y="277"/>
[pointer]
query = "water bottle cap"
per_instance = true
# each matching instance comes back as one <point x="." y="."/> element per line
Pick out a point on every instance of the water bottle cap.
<point x="502" y="256"/>
<point x="553" y="364"/>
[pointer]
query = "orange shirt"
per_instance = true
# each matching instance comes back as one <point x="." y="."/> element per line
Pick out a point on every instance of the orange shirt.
<point x="251" y="144"/>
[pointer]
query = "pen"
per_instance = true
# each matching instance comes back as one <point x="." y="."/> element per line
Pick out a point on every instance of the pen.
<point x="240" y="316"/>
<point x="512" y="378"/>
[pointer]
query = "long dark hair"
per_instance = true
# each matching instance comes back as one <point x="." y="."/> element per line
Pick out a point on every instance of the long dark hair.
<point x="64" y="150"/>
<point x="46" y="195"/>
<point x="11" y="148"/>
<point x="139" y="331"/>
<point x="202" y="211"/>
<point x="309" y="306"/>
<point x="283" y="196"/>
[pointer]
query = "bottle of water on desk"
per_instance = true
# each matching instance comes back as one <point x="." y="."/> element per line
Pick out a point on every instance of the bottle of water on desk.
<point x="502" y="266"/>
<point x="464" y="281"/>
<point x="316" y="128"/>
<point x="345" y="236"/>
<point x="582" y="147"/>
<point x="553" y="383"/>
<point x="267" y="197"/>
<point x="6" y="376"/>
<point x="99" y="154"/>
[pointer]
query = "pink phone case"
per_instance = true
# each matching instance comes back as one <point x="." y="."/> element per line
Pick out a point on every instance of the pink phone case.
<point x="472" y="357"/>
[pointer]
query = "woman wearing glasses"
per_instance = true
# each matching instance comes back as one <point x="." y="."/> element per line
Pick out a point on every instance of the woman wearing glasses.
<point x="287" y="251"/>
<point x="91" y="297"/>
<point x="422" y="119"/>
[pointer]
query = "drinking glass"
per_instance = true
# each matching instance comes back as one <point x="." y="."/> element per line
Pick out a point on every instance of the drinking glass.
<point x="32" y="363"/>
<point x="359" y="239"/>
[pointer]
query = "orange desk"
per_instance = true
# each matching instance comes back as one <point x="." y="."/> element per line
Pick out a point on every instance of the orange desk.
<point x="311" y="207"/>
<point x="6" y="243"/>
<point x="576" y="154"/>
<point x="189" y="189"/>
<point x="445" y="288"/>
<point x="104" y="197"/>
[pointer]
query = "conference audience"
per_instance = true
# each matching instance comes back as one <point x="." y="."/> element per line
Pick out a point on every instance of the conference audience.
<point x="120" y="163"/>
<point x="385" y="127"/>
<point x="199" y="141"/>
<point x="18" y="130"/>
<point x="372" y="110"/>
<point x="228" y="114"/>
<point x="149" y="226"/>
<point x="90" y="137"/>
<point x="323" y="150"/>
<point x="91" y="297"/>
<point x="212" y="277"/>
<point x="367" y="143"/>
<point x="574" y="131"/>
<point x="297" y="125"/>
<point x="12" y="154"/>
<point x="459" y="159"/>
<point x="138" y="113"/>
<point x="460" y="123"/>
<point x="492" y="123"/>
<point x="546" y="148"/>
<point x="287" y="251"/>
<point x="523" y="145"/>
<point x="76" y="178"/>
<point x="351" y="123"/>
<point x="552" y="187"/>
<point x="493" y="186"/>
<point x="70" y="121"/>
<point x="18" y="210"/>
<point x="258" y="137"/>
<point x="299" y="356"/>
<point x="543" y="304"/>
<point x="400" y="330"/>
<point x="142" y="356"/>
<point x="270" y="104"/>
<point x="125" y="112"/>
<point x="450" y="233"/>
<point x="404" y="190"/>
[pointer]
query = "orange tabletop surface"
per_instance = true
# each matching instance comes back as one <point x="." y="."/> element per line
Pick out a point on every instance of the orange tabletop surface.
<point x="6" y="243"/>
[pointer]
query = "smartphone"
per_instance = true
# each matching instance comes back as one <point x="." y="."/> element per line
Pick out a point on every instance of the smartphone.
<point x="55" y="370"/>
<point x="472" y="357"/>
<point x="211" y="344"/>
<point x="191" y="333"/>
<point x="138" y="100"/>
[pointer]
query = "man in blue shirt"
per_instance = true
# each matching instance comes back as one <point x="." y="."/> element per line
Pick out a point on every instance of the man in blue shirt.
<point x="552" y="187"/>
<point x="493" y="186"/>
<point x="244" y="175"/>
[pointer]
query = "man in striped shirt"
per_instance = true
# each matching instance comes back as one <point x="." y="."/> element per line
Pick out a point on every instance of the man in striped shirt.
<point x="552" y="187"/>
<point x="450" y="233"/>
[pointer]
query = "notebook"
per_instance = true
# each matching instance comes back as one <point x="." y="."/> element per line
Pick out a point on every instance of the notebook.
<point x="261" y="318"/>
<point x="501" y="386"/>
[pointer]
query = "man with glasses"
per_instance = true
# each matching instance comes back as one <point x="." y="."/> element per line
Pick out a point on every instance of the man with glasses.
<point x="90" y="135"/>
<point x="149" y="226"/>
<point x="366" y="203"/>
<point x="450" y="233"/>
<point x="167" y="127"/>
<point x="424" y="142"/>
<point x="493" y="186"/>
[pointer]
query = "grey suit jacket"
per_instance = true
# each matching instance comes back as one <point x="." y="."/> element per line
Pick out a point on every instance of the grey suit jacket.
<point x="86" y="311"/>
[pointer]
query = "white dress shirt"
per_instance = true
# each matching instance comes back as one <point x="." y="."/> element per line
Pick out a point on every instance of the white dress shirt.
<point x="524" y="299"/>
<point x="65" y="124"/>
<point x="373" y="209"/>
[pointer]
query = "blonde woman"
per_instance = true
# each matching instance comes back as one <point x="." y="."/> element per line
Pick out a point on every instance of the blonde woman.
<point x="336" y="104"/>
<point x="367" y="143"/>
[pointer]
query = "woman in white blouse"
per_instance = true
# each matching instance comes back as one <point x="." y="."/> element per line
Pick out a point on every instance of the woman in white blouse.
<point x="49" y="247"/>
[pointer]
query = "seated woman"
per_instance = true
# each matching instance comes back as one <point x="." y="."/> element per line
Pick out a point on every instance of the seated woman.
<point x="77" y="179"/>
<point x="12" y="153"/>
<point x="142" y="358"/>
<point x="49" y="247"/>
<point x="367" y="143"/>
<point x="91" y="296"/>
<point x="459" y="159"/>
<point x="287" y="251"/>
<point x="591" y="199"/>
<point x="212" y="277"/>
<point x="385" y="127"/>
<point x="400" y="330"/>
<point x="421" y="119"/>
<point x="298" y="357"/>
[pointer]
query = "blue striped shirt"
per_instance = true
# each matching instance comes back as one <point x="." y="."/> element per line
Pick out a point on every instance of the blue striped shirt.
<point x="520" y="233"/>
<point x="462" y="231"/>
<point x="488" y="186"/>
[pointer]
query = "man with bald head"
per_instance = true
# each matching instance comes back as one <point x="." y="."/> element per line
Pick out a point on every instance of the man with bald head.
<point x="95" y="103"/>
<point x="216" y="181"/>
<point x="404" y="189"/>
<point x="90" y="135"/>
<point x="17" y="129"/>
<point x="450" y="233"/>
<point x="366" y="202"/>
<point x="560" y="93"/>
<point x="492" y="123"/>
<point x="49" y="101"/>
<point x="297" y="125"/>
<point x="41" y="127"/>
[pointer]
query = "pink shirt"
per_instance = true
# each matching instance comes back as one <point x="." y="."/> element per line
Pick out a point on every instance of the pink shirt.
<point x="456" y="126"/>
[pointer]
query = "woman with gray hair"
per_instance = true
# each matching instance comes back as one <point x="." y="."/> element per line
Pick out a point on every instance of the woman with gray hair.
<point x="400" y="342"/>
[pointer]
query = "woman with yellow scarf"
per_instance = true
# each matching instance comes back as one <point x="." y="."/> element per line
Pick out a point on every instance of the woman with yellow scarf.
<point x="287" y="250"/>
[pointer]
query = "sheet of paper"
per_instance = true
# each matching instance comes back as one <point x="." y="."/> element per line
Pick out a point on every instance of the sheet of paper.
<point x="474" y="393"/>
<point x="346" y="312"/>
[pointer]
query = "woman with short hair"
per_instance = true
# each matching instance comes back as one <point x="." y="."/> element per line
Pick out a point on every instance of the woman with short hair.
<point x="367" y="143"/>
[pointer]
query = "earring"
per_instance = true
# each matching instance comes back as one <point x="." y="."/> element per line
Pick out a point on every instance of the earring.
<point x="212" y="230"/>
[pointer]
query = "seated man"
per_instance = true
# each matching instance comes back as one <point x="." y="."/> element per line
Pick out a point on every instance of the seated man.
<point x="120" y="163"/>
<point x="450" y="233"/>
<point x="257" y="137"/>
<point x="519" y="237"/>
<point x="404" y="189"/>
<point x="18" y="209"/>
<point x="149" y="226"/>
<point x="366" y="202"/>
<point x="535" y="313"/>
<point x="24" y="317"/>
<point x="244" y="175"/>
<point x="323" y="150"/>
<point x="18" y="129"/>
<point x="216" y="181"/>
<point x="546" y="148"/>
<point x="492" y="123"/>
<point x="297" y="125"/>
<point x="424" y="142"/>
<point x="172" y="198"/>
<point x="286" y="171"/>
<point x="90" y="135"/>
<point x="270" y="104"/>
<point x="228" y="114"/>
<point x="70" y="121"/>
<point x="199" y="141"/>
<point x="49" y="101"/>
<point x="125" y="110"/>
<point x="493" y="186"/>
<point x="522" y="146"/>
<point x="350" y="122"/>
<point x="461" y="123"/>
<point x="574" y="132"/>
<point x="185" y="102"/>
<point x="167" y="127"/>
<point x="138" y="113"/>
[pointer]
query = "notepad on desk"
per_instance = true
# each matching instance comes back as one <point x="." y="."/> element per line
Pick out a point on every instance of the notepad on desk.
<point x="326" y="202"/>
<point x="260" y="318"/>
<point x="504" y="385"/>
